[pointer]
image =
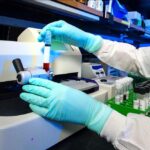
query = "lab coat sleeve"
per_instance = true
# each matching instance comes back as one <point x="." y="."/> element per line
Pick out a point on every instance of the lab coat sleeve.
<point x="125" y="57"/>
<point x="128" y="133"/>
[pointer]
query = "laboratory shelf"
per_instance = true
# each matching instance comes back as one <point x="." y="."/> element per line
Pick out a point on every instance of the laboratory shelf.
<point x="72" y="10"/>
<point x="108" y="17"/>
<point x="126" y="23"/>
<point x="80" y="6"/>
<point x="82" y="12"/>
<point x="64" y="7"/>
<point x="128" y="30"/>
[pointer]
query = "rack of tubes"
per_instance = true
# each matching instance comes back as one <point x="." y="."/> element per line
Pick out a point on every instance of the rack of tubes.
<point x="137" y="101"/>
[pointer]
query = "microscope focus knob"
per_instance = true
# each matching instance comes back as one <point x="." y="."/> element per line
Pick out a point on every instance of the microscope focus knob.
<point x="18" y="65"/>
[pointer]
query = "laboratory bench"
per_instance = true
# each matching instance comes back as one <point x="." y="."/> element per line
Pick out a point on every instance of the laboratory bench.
<point x="83" y="140"/>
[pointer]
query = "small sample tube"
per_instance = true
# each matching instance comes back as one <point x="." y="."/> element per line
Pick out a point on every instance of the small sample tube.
<point x="129" y="86"/>
<point x="136" y="104"/>
<point x="149" y="96"/>
<point x="118" y="97"/>
<point x="146" y="96"/>
<point x="132" y="95"/>
<point x="124" y="89"/>
<point x="136" y="93"/>
<point x="141" y="97"/>
<point x="141" y="93"/>
<point x="92" y="3"/>
<point x="142" y="105"/>
<point x="121" y="91"/>
<point x="47" y="48"/>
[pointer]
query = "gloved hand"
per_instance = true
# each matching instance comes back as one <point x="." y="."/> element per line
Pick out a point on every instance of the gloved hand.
<point x="62" y="103"/>
<point x="66" y="33"/>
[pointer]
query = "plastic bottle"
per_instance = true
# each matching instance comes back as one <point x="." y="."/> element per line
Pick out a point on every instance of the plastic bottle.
<point x="99" y="5"/>
<point x="92" y="3"/>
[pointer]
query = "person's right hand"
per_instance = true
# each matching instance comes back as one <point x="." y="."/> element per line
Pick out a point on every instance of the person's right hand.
<point x="59" y="102"/>
<point x="66" y="33"/>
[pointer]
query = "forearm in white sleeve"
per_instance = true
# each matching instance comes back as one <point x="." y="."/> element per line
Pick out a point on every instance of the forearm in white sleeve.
<point x="127" y="133"/>
<point x="125" y="57"/>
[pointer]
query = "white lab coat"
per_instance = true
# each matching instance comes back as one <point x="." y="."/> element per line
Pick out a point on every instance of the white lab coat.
<point x="127" y="133"/>
<point x="125" y="57"/>
<point x="131" y="132"/>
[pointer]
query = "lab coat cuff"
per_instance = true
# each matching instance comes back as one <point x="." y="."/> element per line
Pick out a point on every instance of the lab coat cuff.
<point x="113" y="127"/>
<point x="106" y="50"/>
<point x="94" y="43"/>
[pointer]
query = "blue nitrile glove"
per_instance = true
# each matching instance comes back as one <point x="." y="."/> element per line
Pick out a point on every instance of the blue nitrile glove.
<point x="63" y="32"/>
<point x="56" y="101"/>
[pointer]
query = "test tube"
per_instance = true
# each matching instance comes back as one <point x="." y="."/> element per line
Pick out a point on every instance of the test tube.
<point x="122" y="84"/>
<point x="136" y="91"/>
<point x="47" y="48"/>
<point x="147" y="96"/>
<point x="142" y="105"/>
<point x="122" y="89"/>
<point x="136" y="104"/>
<point x="141" y="96"/>
<point x="141" y="93"/>
<point x="119" y="96"/>
<point x="125" y="96"/>
<point x="129" y="87"/>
